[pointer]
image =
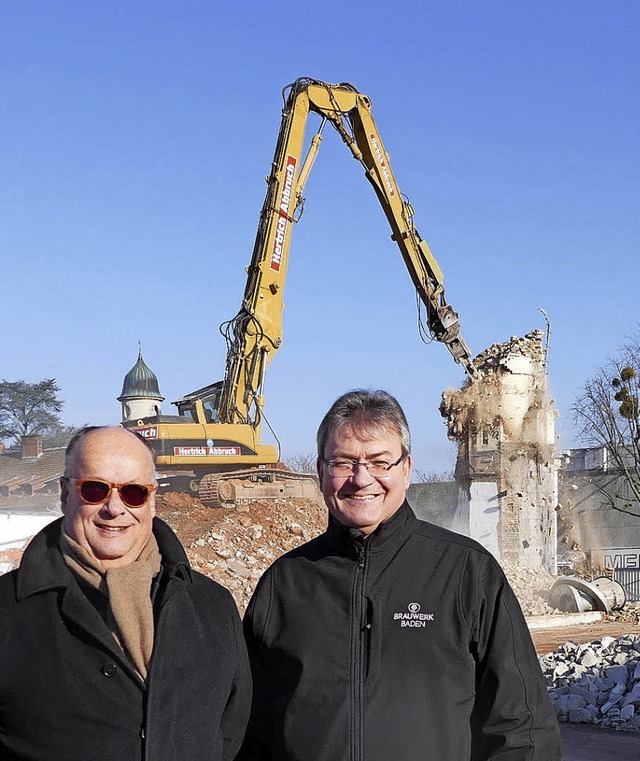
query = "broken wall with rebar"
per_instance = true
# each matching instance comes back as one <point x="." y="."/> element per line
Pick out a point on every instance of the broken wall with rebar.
<point x="504" y="425"/>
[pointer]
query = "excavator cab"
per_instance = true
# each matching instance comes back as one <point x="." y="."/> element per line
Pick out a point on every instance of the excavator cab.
<point x="201" y="406"/>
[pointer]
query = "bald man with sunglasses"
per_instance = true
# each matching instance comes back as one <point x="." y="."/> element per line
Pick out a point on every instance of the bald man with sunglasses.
<point x="111" y="647"/>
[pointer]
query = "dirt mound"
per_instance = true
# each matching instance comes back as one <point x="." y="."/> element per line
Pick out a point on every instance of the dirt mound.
<point x="235" y="546"/>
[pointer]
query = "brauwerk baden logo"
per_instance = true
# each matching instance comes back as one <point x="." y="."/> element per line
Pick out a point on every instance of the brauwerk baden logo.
<point x="413" y="618"/>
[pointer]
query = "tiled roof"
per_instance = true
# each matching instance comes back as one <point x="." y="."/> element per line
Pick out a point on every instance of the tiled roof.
<point x="19" y="475"/>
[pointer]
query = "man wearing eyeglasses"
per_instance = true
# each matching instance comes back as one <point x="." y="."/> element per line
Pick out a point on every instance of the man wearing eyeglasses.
<point x="387" y="637"/>
<point x="111" y="647"/>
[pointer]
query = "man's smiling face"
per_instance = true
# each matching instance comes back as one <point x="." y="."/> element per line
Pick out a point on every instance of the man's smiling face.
<point x="360" y="500"/>
<point x="112" y="532"/>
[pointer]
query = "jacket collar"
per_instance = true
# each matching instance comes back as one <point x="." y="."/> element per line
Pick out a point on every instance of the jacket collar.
<point x="42" y="566"/>
<point x="174" y="557"/>
<point x="387" y="534"/>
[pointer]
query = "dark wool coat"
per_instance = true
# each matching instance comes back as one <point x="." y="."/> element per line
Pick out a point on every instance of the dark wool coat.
<point x="69" y="693"/>
<point x="408" y="645"/>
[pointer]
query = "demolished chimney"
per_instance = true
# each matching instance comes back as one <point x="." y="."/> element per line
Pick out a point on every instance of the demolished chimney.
<point x="31" y="447"/>
<point x="506" y="470"/>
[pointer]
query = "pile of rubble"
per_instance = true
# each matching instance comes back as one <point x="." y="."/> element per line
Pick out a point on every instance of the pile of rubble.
<point x="529" y="345"/>
<point x="630" y="613"/>
<point x="481" y="405"/>
<point x="235" y="546"/>
<point x="531" y="587"/>
<point x="596" y="683"/>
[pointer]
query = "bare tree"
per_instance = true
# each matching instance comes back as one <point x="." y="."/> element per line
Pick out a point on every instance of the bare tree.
<point x="60" y="435"/>
<point x="432" y="476"/>
<point x="301" y="463"/>
<point x="28" y="408"/>
<point x="607" y="415"/>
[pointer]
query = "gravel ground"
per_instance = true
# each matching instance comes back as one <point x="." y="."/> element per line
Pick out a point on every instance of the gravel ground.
<point x="548" y="640"/>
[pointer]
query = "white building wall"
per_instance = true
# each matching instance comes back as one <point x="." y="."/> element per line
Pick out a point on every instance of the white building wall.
<point x="135" y="409"/>
<point x="478" y="514"/>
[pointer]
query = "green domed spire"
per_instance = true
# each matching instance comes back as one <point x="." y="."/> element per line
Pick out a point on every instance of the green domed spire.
<point x="140" y="383"/>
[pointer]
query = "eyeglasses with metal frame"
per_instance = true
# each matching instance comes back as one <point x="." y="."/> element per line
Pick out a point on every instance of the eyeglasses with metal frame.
<point x="377" y="468"/>
<point x="96" y="491"/>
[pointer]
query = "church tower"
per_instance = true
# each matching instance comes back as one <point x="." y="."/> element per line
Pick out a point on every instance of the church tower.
<point x="140" y="395"/>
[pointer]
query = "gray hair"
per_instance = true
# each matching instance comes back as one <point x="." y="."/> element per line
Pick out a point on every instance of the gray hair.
<point x="367" y="412"/>
<point x="82" y="432"/>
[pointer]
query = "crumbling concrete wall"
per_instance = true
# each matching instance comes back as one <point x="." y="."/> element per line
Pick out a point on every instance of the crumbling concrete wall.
<point x="506" y="471"/>
<point x="590" y="529"/>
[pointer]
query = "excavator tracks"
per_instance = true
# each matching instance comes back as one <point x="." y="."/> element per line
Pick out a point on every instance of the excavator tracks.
<point x="241" y="486"/>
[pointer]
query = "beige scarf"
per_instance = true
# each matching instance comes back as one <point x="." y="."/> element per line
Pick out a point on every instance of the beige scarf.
<point x="128" y="590"/>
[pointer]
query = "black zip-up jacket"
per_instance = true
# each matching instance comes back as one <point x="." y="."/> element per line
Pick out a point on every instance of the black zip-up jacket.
<point x="408" y="644"/>
<point x="69" y="693"/>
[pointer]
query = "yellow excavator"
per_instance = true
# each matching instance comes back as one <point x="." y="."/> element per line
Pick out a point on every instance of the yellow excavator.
<point x="216" y="434"/>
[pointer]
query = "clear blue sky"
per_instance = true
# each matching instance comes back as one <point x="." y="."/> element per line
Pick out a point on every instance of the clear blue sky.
<point x="135" y="138"/>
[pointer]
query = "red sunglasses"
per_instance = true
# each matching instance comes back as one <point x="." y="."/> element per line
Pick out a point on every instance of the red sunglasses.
<point x="95" y="491"/>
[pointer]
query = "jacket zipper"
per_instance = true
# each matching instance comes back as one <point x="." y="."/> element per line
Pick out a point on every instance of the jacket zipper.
<point x="358" y="635"/>
<point x="143" y="729"/>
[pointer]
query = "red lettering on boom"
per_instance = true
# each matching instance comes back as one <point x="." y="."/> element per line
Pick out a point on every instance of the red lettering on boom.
<point x="283" y="213"/>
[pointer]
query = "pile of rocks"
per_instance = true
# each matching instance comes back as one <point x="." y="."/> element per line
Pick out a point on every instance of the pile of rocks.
<point x="235" y="546"/>
<point x="531" y="587"/>
<point x="596" y="683"/>
<point x="630" y="613"/>
<point x="481" y="405"/>
<point x="529" y="345"/>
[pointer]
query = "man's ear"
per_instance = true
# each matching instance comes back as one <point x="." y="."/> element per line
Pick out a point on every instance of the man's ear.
<point x="407" y="470"/>
<point x="319" y="464"/>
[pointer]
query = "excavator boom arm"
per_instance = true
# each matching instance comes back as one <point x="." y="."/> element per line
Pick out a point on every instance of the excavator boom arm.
<point x="356" y="126"/>
<point x="255" y="333"/>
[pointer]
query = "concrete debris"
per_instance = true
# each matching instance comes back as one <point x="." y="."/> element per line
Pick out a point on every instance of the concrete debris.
<point x="236" y="547"/>
<point x="596" y="683"/>
<point x="529" y="345"/>
<point x="484" y="405"/>
<point x="531" y="587"/>
<point x="577" y="595"/>
<point x="630" y="613"/>
<point x="238" y="569"/>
